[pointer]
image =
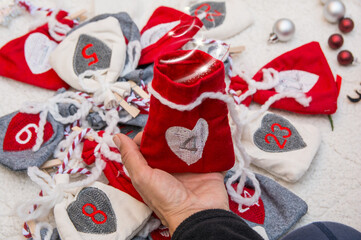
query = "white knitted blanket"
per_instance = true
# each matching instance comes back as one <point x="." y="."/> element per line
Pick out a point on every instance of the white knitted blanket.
<point x="332" y="185"/>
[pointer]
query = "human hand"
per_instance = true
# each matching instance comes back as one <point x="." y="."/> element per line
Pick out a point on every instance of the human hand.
<point x="173" y="197"/>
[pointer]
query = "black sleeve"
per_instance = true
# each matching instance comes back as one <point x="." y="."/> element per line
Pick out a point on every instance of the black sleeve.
<point x="215" y="224"/>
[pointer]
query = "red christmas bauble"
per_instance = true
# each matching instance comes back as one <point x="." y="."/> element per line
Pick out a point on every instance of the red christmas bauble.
<point x="344" y="57"/>
<point x="335" y="41"/>
<point x="346" y="25"/>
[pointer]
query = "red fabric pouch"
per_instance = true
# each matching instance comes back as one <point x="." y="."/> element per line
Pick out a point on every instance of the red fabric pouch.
<point x="166" y="30"/>
<point x="25" y="59"/>
<point x="304" y="69"/>
<point x="196" y="137"/>
<point x="113" y="171"/>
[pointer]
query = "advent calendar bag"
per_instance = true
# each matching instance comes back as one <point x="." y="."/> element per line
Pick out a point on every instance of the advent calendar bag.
<point x="276" y="211"/>
<point x="26" y="59"/>
<point x="19" y="132"/>
<point x="98" y="46"/>
<point x="113" y="171"/>
<point x="166" y="30"/>
<point x="131" y="34"/>
<point x="283" y="147"/>
<point x="187" y="130"/>
<point x="302" y="70"/>
<point x="221" y="19"/>
<point x="99" y="212"/>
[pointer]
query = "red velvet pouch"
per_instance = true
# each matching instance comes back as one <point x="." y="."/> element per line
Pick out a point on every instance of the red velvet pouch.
<point x="196" y="137"/>
<point x="304" y="69"/>
<point x="25" y="59"/>
<point x="166" y="30"/>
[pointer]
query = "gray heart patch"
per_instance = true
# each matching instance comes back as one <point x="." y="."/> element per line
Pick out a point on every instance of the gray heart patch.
<point x="92" y="212"/>
<point x="212" y="14"/>
<point x="188" y="144"/>
<point x="91" y="54"/>
<point x="277" y="134"/>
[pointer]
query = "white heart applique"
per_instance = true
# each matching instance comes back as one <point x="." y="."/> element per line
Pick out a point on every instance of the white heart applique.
<point x="38" y="48"/>
<point x="296" y="81"/>
<point x="188" y="144"/>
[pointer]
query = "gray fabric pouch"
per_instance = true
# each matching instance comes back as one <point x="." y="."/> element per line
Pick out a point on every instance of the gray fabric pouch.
<point x="276" y="211"/>
<point x="18" y="136"/>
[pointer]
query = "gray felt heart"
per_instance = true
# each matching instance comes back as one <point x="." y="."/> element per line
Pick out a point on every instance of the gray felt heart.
<point x="212" y="14"/>
<point x="90" y="54"/>
<point x="277" y="134"/>
<point x="92" y="212"/>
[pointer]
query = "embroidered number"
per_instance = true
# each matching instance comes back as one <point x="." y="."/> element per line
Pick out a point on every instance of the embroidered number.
<point x="93" y="55"/>
<point x="95" y="212"/>
<point x="190" y="144"/>
<point x="26" y="130"/>
<point x="275" y="138"/>
<point x="209" y="14"/>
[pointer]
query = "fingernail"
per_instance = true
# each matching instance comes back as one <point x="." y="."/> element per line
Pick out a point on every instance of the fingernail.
<point x="116" y="141"/>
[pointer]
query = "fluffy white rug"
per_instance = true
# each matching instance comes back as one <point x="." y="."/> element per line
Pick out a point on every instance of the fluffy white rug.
<point x="332" y="185"/>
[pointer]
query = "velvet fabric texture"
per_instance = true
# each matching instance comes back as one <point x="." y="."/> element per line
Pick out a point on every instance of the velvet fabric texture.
<point x="25" y="59"/>
<point x="166" y="30"/>
<point x="303" y="69"/>
<point x="198" y="140"/>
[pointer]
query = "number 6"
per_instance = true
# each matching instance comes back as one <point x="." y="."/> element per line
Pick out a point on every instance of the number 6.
<point x="28" y="133"/>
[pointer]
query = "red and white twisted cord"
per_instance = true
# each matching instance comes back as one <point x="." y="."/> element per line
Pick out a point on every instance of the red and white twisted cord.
<point x="230" y="70"/>
<point x="78" y="139"/>
<point x="26" y="230"/>
<point x="142" y="104"/>
<point x="31" y="8"/>
<point x="77" y="170"/>
<point x="68" y="129"/>
<point x="143" y="86"/>
<point x="90" y="99"/>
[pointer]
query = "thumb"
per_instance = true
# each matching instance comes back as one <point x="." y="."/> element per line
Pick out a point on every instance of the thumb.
<point x="132" y="159"/>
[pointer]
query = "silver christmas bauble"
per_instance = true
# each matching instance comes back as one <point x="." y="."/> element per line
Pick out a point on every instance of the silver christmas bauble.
<point x="283" y="30"/>
<point x="334" y="10"/>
